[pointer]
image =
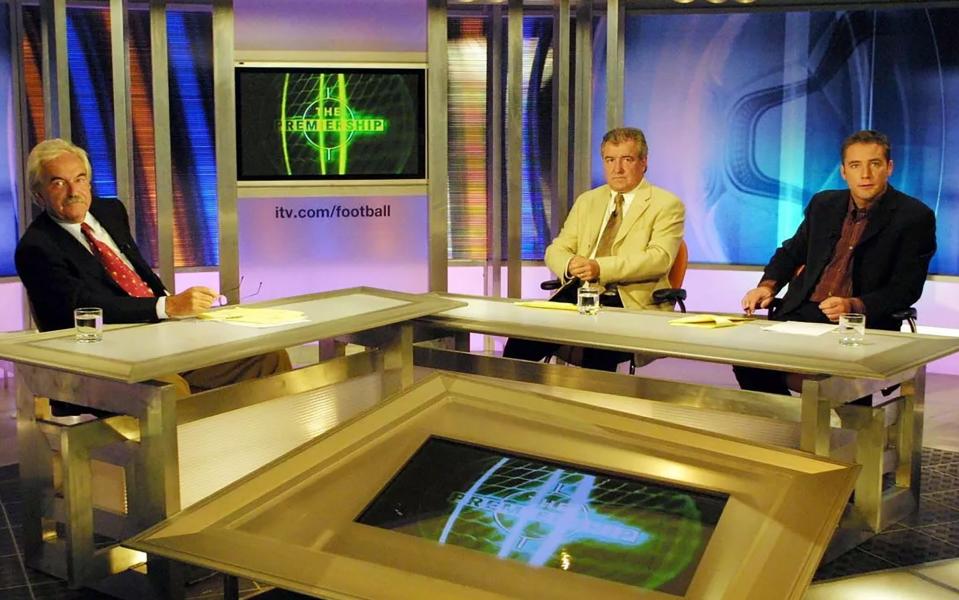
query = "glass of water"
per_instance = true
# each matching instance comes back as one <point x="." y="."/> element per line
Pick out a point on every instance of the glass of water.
<point x="587" y="299"/>
<point x="852" y="329"/>
<point x="88" y="324"/>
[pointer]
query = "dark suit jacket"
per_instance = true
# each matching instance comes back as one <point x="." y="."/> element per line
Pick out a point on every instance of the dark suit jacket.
<point x="60" y="274"/>
<point x="889" y="264"/>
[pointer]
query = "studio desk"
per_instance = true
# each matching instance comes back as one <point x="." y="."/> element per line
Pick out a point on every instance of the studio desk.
<point x="90" y="483"/>
<point x="889" y="365"/>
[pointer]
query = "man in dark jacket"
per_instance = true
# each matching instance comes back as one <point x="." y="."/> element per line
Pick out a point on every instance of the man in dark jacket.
<point x="79" y="252"/>
<point x="864" y="250"/>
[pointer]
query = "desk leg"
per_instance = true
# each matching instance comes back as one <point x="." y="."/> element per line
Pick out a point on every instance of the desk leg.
<point x="398" y="360"/>
<point x="815" y="433"/>
<point x="329" y="349"/>
<point x="231" y="587"/>
<point x="36" y="483"/>
<point x="899" y="418"/>
<point x="870" y="426"/>
<point x="61" y="510"/>
<point x="909" y="434"/>
<point x="461" y="341"/>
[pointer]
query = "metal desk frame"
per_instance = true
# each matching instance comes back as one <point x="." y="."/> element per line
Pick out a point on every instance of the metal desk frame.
<point x="61" y="519"/>
<point x="887" y="433"/>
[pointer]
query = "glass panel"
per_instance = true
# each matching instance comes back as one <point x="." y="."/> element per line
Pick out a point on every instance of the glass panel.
<point x="468" y="39"/>
<point x="8" y="150"/>
<point x="191" y="115"/>
<point x="468" y="209"/>
<point x="623" y="529"/>
<point x="754" y="124"/>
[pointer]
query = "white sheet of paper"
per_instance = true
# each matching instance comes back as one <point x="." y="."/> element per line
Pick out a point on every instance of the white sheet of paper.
<point x="800" y="328"/>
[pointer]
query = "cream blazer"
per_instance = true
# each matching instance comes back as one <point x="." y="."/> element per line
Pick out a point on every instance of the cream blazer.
<point x="644" y="249"/>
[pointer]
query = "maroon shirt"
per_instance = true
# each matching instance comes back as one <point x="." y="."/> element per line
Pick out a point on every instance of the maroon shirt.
<point x="836" y="278"/>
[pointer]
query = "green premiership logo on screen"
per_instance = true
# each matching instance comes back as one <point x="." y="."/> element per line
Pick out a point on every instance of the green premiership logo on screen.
<point x="327" y="123"/>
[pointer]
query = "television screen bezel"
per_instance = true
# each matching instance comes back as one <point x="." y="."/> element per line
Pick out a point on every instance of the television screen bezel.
<point x="295" y="517"/>
<point x="333" y="67"/>
<point x="392" y="488"/>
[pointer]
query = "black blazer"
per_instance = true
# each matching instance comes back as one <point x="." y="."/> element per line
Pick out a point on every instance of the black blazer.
<point x="60" y="274"/>
<point x="889" y="265"/>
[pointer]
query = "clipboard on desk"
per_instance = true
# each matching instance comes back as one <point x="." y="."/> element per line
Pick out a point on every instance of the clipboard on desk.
<point x="567" y="291"/>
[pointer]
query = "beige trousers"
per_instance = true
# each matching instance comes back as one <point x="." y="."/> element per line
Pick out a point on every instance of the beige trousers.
<point x="214" y="376"/>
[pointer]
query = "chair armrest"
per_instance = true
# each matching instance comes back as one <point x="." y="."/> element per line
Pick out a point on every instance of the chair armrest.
<point x="672" y="295"/>
<point x="669" y="295"/>
<point x="909" y="315"/>
<point x="551" y="284"/>
<point x="906" y="314"/>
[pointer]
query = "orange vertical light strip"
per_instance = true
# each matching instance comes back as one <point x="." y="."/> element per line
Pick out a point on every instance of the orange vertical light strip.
<point x="141" y="110"/>
<point x="467" y="132"/>
<point x="33" y="83"/>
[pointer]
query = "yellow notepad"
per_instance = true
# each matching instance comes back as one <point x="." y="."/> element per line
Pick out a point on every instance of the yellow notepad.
<point x="547" y="304"/>
<point x="709" y="321"/>
<point x="255" y="317"/>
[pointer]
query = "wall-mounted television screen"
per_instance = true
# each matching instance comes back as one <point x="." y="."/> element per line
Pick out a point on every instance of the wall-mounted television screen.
<point x="298" y="123"/>
<point x="629" y="530"/>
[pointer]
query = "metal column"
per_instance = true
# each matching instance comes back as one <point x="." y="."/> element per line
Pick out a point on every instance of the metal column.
<point x="583" y="99"/>
<point x="224" y="101"/>
<point x="56" y="72"/>
<point x="24" y="196"/>
<point x="560" y="174"/>
<point x="494" y="152"/>
<point x="514" y="147"/>
<point x="163" y="166"/>
<point x="122" y="111"/>
<point x="438" y="168"/>
<point x="615" y="42"/>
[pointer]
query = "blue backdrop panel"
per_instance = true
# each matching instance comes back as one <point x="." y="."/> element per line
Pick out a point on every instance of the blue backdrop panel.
<point x="745" y="113"/>
<point x="8" y="176"/>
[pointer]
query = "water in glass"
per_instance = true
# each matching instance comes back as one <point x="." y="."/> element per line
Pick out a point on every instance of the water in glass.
<point x="852" y="329"/>
<point x="88" y="324"/>
<point x="587" y="300"/>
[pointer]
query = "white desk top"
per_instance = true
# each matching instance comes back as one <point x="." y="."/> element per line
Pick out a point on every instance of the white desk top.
<point x="883" y="354"/>
<point x="140" y="352"/>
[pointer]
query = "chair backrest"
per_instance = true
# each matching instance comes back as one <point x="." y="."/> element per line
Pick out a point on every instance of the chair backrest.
<point x="678" y="271"/>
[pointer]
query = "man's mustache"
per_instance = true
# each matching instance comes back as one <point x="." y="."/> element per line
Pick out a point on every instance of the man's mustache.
<point x="74" y="199"/>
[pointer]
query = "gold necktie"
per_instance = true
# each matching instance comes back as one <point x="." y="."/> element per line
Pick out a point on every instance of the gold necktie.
<point x="605" y="245"/>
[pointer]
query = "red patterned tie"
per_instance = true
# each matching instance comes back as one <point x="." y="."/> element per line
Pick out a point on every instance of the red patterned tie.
<point x="125" y="277"/>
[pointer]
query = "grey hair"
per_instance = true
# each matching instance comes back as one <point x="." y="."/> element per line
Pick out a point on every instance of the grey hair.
<point x="626" y="134"/>
<point x="48" y="150"/>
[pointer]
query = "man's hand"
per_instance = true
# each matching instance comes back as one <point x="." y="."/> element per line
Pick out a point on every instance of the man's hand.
<point x="190" y="301"/>
<point x="584" y="268"/>
<point x="834" y="306"/>
<point x="756" y="298"/>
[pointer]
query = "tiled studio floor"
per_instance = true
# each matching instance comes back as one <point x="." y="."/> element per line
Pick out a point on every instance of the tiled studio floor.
<point x="930" y="535"/>
<point x="18" y="582"/>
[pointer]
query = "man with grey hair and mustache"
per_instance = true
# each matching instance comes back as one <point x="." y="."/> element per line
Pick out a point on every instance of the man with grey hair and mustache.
<point x="79" y="252"/>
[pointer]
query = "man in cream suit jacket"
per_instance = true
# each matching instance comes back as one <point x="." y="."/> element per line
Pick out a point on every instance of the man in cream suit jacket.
<point x="641" y="251"/>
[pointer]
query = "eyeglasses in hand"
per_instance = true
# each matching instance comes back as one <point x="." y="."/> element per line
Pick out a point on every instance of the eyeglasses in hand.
<point x="222" y="301"/>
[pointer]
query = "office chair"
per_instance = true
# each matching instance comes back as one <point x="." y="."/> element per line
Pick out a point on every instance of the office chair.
<point x="675" y="294"/>
<point x="610" y="297"/>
